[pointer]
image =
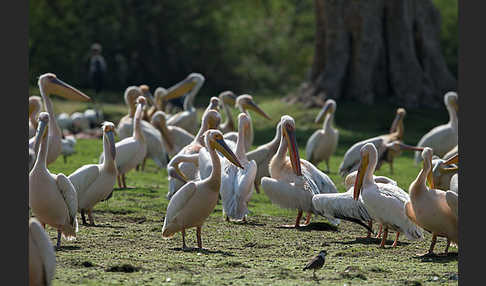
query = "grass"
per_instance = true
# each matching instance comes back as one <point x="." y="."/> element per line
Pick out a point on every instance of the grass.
<point x="126" y="247"/>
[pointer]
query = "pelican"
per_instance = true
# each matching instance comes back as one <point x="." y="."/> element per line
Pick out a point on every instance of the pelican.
<point x="174" y="171"/>
<point x="196" y="200"/>
<point x="236" y="183"/>
<point x="94" y="117"/>
<point x="351" y="179"/>
<point x="442" y="171"/>
<point x="68" y="143"/>
<point x="94" y="182"/>
<point x="32" y="157"/>
<point x="173" y="138"/>
<point x="454" y="184"/>
<point x="210" y="120"/>
<point x="79" y="122"/>
<point x="48" y="83"/>
<point x="384" y="202"/>
<point x="243" y="103"/>
<point x="227" y="98"/>
<point x="42" y="259"/>
<point x="322" y="144"/>
<point x="451" y="153"/>
<point x="443" y="137"/>
<point x="152" y="136"/>
<point x="52" y="197"/>
<point x="293" y="181"/>
<point x="35" y="106"/>
<point x="149" y="108"/>
<point x="64" y="121"/>
<point x="351" y="158"/>
<point x="262" y="156"/>
<point x="429" y="208"/>
<point x="131" y="150"/>
<point x="187" y="119"/>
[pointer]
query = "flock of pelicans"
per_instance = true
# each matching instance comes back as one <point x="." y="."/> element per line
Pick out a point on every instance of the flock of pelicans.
<point x="215" y="163"/>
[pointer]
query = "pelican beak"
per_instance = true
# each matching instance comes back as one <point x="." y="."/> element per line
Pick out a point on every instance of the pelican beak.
<point x="323" y="112"/>
<point x="395" y="122"/>
<point x="111" y="139"/>
<point x="289" y="134"/>
<point x="453" y="160"/>
<point x="411" y="148"/>
<point x="253" y="106"/>
<point x="31" y="109"/>
<point x="175" y="172"/>
<point x="180" y="89"/>
<point x="221" y="146"/>
<point x="63" y="89"/>
<point x="42" y="129"/>
<point x="430" y="180"/>
<point x="359" y="178"/>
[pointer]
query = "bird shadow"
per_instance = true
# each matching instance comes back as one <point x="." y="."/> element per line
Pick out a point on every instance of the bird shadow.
<point x="104" y="226"/>
<point x="66" y="248"/>
<point x="369" y="240"/>
<point x="248" y="223"/>
<point x="203" y="251"/>
<point x="438" y="258"/>
<point x="318" y="226"/>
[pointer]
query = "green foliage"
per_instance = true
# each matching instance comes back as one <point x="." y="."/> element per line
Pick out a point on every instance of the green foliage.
<point x="449" y="36"/>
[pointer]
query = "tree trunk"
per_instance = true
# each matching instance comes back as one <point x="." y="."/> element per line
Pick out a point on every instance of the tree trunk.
<point x="372" y="50"/>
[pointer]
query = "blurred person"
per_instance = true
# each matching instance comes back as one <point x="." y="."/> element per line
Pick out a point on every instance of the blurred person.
<point x="97" y="67"/>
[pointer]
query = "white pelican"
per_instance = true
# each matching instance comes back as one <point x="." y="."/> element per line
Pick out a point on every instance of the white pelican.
<point x="323" y="142"/>
<point x="68" y="143"/>
<point x="152" y="136"/>
<point x="132" y="150"/>
<point x="94" y="117"/>
<point x="42" y="259"/>
<point x="196" y="200"/>
<point x="451" y="153"/>
<point x="243" y="103"/>
<point x="454" y="185"/>
<point x="227" y="98"/>
<point x="293" y="181"/>
<point x="187" y="119"/>
<point x="262" y="156"/>
<point x="210" y="120"/>
<point x="94" y="182"/>
<point x="32" y="157"/>
<point x="352" y="156"/>
<point x="236" y="183"/>
<point x="351" y="179"/>
<point x="52" y="198"/>
<point x="64" y="121"/>
<point x="442" y="171"/>
<point x="385" y="203"/>
<point x="49" y="84"/>
<point x="443" y="137"/>
<point x="173" y="138"/>
<point x="428" y="207"/>
<point x="175" y="173"/>
<point x="35" y="106"/>
<point x="80" y="123"/>
<point x="150" y="107"/>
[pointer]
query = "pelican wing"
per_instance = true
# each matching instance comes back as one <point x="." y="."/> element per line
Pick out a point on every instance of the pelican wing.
<point x="441" y="139"/>
<point x="351" y="179"/>
<point x="454" y="184"/>
<point x="176" y="205"/>
<point x="83" y="178"/>
<point x="319" y="181"/>
<point x="45" y="250"/>
<point x="287" y="195"/>
<point x="68" y="192"/>
<point x="312" y="145"/>
<point x="231" y="136"/>
<point x="236" y="188"/>
<point x="452" y="201"/>
<point x="341" y="206"/>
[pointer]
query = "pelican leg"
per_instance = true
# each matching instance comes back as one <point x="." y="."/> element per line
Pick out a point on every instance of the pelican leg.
<point x="58" y="244"/>
<point x="198" y="235"/>
<point x="123" y="181"/>
<point x="432" y="243"/>
<point x="257" y="188"/>
<point x="391" y="167"/>
<point x="43" y="225"/>
<point x="396" y="240"/>
<point x="327" y="164"/>
<point x="297" y="220"/>
<point x="308" y="218"/>
<point x="184" y="239"/>
<point x="65" y="158"/>
<point x="446" y="251"/>
<point x="227" y="218"/>
<point x="137" y="168"/>
<point x="90" y="217"/>
<point x="380" y="231"/>
<point x="143" y="163"/>
<point x="119" y="181"/>
<point x="83" y="217"/>
<point x="370" y="224"/>
<point x="383" y="240"/>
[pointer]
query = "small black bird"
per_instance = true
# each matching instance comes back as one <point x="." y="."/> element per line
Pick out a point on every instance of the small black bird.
<point x="316" y="262"/>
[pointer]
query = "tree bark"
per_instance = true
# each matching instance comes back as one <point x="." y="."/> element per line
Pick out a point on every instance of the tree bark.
<point x="372" y="50"/>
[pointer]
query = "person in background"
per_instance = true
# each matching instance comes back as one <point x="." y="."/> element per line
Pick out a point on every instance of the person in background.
<point x="97" y="67"/>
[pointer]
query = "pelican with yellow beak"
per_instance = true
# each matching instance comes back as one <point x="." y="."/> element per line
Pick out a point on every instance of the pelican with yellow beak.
<point x="454" y="151"/>
<point x="173" y="138"/>
<point x="429" y="207"/>
<point x="196" y="200"/>
<point x="132" y="150"/>
<point x="42" y="259"/>
<point x="52" y="198"/>
<point x="443" y="170"/>
<point x="49" y="84"/>
<point x="210" y="120"/>
<point x="385" y="203"/>
<point x="443" y="137"/>
<point x="187" y="119"/>
<point x="244" y="103"/>
<point x="227" y="98"/>
<point x="323" y="142"/>
<point x="293" y="181"/>
<point x="382" y="144"/>
<point x="94" y="182"/>
<point x="35" y="106"/>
